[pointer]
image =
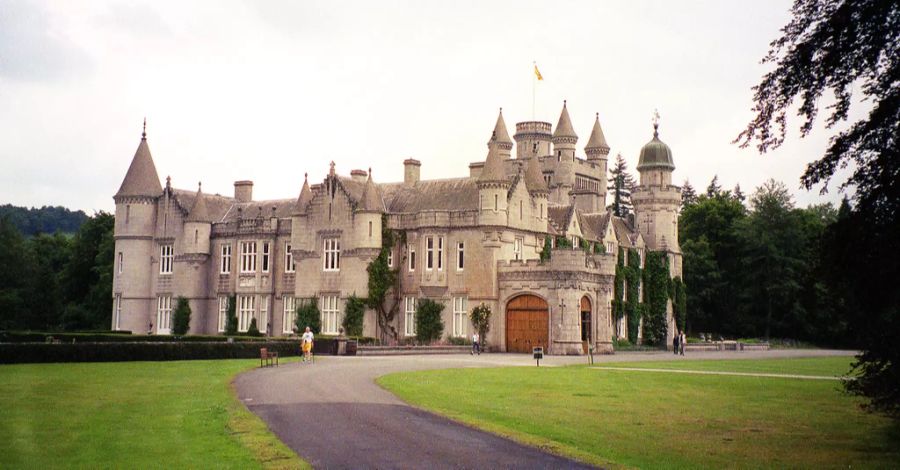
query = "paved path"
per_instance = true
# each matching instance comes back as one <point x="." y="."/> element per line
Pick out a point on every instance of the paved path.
<point x="334" y="416"/>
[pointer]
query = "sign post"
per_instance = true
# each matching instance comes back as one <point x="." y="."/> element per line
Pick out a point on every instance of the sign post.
<point x="538" y="355"/>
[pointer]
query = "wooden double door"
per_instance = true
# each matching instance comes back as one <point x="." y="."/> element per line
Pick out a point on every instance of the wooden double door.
<point x="527" y="324"/>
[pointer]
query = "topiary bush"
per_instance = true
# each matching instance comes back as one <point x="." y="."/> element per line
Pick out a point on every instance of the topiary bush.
<point x="181" y="317"/>
<point x="231" y="320"/>
<point x="353" y="316"/>
<point x="253" y="330"/>
<point x="481" y="320"/>
<point x="429" y="325"/>
<point x="308" y="315"/>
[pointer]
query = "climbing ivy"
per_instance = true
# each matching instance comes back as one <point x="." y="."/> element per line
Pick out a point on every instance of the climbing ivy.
<point x="384" y="282"/>
<point x="545" y="253"/>
<point x="678" y="293"/>
<point x="656" y="290"/>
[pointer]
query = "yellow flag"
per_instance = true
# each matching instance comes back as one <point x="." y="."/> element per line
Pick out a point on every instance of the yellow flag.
<point x="537" y="73"/>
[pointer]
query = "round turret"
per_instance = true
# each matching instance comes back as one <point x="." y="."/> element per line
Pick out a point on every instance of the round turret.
<point x="655" y="154"/>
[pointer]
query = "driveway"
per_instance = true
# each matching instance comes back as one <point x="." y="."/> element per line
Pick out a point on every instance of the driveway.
<point x="334" y="415"/>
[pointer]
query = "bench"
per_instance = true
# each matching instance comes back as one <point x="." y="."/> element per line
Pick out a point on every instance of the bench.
<point x="267" y="358"/>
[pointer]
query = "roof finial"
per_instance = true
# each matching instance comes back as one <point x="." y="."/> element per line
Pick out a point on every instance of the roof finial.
<point x="305" y="176"/>
<point x="370" y="172"/>
<point x="144" y="133"/>
<point x="564" y="103"/>
<point x="331" y="170"/>
<point x="598" y="116"/>
<point x="199" y="185"/>
<point x="655" y="121"/>
<point x="501" y="109"/>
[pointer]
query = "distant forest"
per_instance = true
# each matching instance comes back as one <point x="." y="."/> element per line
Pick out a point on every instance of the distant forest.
<point x="47" y="219"/>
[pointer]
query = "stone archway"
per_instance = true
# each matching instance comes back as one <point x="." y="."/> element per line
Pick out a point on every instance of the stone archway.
<point x="527" y="324"/>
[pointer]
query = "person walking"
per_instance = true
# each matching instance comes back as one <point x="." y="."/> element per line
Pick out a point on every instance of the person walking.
<point x="306" y="344"/>
<point x="682" y="341"/>
<point x="675" y="341"/>
<point x="475" y="347"/>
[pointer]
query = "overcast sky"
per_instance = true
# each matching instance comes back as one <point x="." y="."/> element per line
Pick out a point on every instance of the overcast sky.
<point x="269" y="90"/>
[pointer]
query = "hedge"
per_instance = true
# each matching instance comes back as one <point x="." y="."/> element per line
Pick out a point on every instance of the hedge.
<point x="41" y="337"/>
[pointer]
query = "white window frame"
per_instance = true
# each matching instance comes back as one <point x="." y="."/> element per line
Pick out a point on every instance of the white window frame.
<point x="246" y="311"/>
<point x="412" y="258"/>
<point x="641" y="256"/>
<point x="330" y="314"/>
<point x="118" y="313"/>
<point x="331" y="254"/>
<point x="266" y="256"/>
<point x="289" y="265"/>
<point x="223" y="313"/>
<point x="429" y="253"/>
<point x="460" y="317"/>
<point x="517" y="248"/>
<point x="574" y="241"/>
<point x="164" y="314"/>
<point x="248" y="257"/>
<point x="225" y="260"/>
<point x="262" y="321"/>
<point x="409" y="316"/>
<point x="460" y="255"/>
<point x="166" y="258"/>
<point x="390" y="258"/>
<point x="440" y="253"/>
<point x="289" y="317"/>
<point x="121" y="260"/>
<point x="611" y="248"/>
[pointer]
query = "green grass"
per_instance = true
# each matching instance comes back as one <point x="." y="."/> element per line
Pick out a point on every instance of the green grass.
<point x="821" y="366"/>
<point x="661" y="420"/>
<point x="180" y="414"/>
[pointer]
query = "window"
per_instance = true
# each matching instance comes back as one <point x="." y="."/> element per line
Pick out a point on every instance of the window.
<point x="120" y="262"/>
<point x="127" y="213"/>
<point x="262" y="323"/>
<point x="440" y="253"/>
<point x="225" y="264"/>
<point x="370" y="229"/>
<point x="410" y="316"/>
<point x="330" y="314"/>
<point x="624" y="291"/>
<point x="460" y="256"/>
<point x="640" y="290"/>
<point x="332" y="254"/>
<point x="290" y="315"/>
<point x="223" y="313"/>
<point x="412" y="258"/>
<point x="289" y="265"/>
<point x="248" y="257"/>
<point x="542" y="211"/>
<point x="429" y="253"/>
<point x="265" y="257"/>
<point x="460" y="317"/>
<point x="610" y="247"/>
<point x="574" y="241"/>
<point x="641" y="255"/>
<point x="118" y="312"/>
<point x="163" y="314"/>
<point x="496" y="203"/>
<point x="390" y="258"/>
<point x="165" y="259"/>
<point x="517" y="249"/>
<point x="246" y="309"/>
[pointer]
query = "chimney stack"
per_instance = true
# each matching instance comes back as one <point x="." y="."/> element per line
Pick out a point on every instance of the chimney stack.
<point x="359" y="175"/>
<point x="243" y="191"/>
<point x="411" y="169"/>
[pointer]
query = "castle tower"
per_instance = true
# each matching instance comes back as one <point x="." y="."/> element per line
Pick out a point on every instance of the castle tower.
<point x="597" y="151"/>
<point x="532" y="139"/>
<point x="191" y="259"/>
<point x="368" y="215"/>
<point x="493" y="188"/>
<point x="501" y="136"/>
<point x="136" y="201"/>
<point x="564" y="140"/>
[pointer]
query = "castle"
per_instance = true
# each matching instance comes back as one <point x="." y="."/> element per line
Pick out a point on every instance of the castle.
<point x="467" y="241"/>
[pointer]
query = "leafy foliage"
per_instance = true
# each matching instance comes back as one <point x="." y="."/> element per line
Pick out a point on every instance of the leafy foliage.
<point x="621" y="183"/>
<point x="181" y="317"/>
<point x="481" y="320"/>
<point x="46" y="220"/>
<point x="253" y="329"/>
<point x="429" y="325"/>
<point x="308" y="315"/>
<point x="231" y="320"/>
<point x="354" y="310"/>
<point x="547" y="250"/>
<point x="384" y="283"/>
<point x="656" y="294"/>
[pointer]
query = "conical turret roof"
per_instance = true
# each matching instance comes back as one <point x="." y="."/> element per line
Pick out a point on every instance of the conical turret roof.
<point x="493" y="166"/>
<point x="199" y="213"/>
<point x="501" y="135"/>
<point x="564" y="126"/>
<point x="141" y="178"/>
<point x="534" y="177"/>
<point x="597" y="139"/>
<point x="305" y="197"/>
<point x="371" y="200"/>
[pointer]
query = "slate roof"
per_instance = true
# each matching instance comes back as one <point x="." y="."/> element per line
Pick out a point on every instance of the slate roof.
<point x="593" y="226"/>
<point x="564" y="126"/>
<point x="597" y="139"/>
<point x="199" y="211"/>
<point x="493" y="166"/>
<point x="500" y="133"/>
<point x="454" y="194"/>
<point x="371" y="197"/>
<point x="534" y="177"/>
<point x="141" y="178"/>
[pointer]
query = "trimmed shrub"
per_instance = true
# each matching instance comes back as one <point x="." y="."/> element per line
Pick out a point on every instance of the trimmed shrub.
<point x="231" y="320"/>
<point x="481" y="320"/>
<point x="353" y="316"/>
<point x="429" y="326"/>
<point x="181" y="317"/>
<point x="308" y="315"/>
<point x="253" y="330"/>
<point x="47" y="337"/>
<point x="134" y="351"/>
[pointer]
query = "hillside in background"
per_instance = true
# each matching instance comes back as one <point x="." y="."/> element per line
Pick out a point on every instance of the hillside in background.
<point x="47" y="219"/>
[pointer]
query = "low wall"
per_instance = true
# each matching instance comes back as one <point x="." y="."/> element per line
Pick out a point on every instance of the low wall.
<point x="408" y="350"/>
<point x="726" y="346"/>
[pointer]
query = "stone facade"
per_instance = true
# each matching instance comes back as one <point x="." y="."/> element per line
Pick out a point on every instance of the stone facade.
<point x="470" y="240"/>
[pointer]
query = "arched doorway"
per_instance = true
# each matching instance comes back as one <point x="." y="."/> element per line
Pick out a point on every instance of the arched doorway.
<point x="527" y="324"/>
<point x="586" y="325"/>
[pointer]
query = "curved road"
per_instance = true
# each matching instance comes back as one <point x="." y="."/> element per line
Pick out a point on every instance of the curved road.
<point x="334" y="415"/>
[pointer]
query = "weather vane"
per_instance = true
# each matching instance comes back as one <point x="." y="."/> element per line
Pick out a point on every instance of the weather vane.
<point x="655" y="119"/>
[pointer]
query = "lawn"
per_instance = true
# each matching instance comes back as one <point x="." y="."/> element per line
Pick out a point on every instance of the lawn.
<point x="663" y="420"/>
<point x="821" y="366"/>
<point x="179" y="414"/>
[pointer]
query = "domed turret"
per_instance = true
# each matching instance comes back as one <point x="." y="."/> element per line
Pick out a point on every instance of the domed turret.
<point x="655" y="154"/>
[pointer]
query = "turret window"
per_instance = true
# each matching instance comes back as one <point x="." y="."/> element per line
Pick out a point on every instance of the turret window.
<point x="332" y="254"/>
<point x="118" y="319"/>
<point x="496" y="203"/>
<point x="166" y="256"/>
<point x="370" y="229"/>
<point x="289" y="265"/>
<point x="390" y="258"/>
<point x="120" y="262"/>
<point x="248" y="257"/>
<point x="127" y="213"/>
<point x="460" y="256"/>
<point x="225" y="263"/>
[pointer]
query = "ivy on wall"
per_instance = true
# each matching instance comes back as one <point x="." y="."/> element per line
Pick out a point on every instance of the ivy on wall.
<point x="384" y="282"/>
<point x="679" y="302"/>
<point x="656" y="290"/>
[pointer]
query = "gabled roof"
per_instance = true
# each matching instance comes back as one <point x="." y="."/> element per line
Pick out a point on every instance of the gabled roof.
<point x="623" y="232"/>
<point x="559" y="217"/>
<point x="199" y="212"/>
<point x="593" y="226"/>
<point x="597" y="139"/>
<point x="564" y="126"/>
<point x="501" y="135"/>
<point x="216" y="206"/>
<point x="141" y="178"/>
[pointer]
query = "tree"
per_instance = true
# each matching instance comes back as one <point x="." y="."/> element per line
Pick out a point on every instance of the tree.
<point x="737" y="194"/>
<point x="384" y="284"/>
<point x="87" y="277"/>
<point x="14" y="275"/>
<point x="49" y="255"/>
<point x="621" y="184"/>
<point x="481" y="320"/>
<point x="231" y="320"/>
<point x="838" y="47"/>
<point x="354" y="310"/>
<point x="181" y="317"/>
<point x="429" y="326"/>
<point x="308" y="315"/>
<point x="714" y="189"/>
<point x="688" y="194"/>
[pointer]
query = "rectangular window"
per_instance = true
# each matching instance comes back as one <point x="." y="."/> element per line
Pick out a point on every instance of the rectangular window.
<point x="610" y="248"/>
<point x="460" y="256"/>
<point x="246" y="309"/>
<point x="429" y="253"/>
<point x="330" y="314"/>
<point x="517" y="249"/>
<point x="248" y="257"/>
<point x="410" y="316"/>
<point x="289" y="265"/>
<point x="262" y="322"/>
<point x="165" y="259"/>
<point x="460" y="317"/>
<point x="223" y="313"/>
<point x="120" y="261"/>
<point x="412" y="258"/>
<point x="370" y="229"/>
<point x="265" y="257"/>
<point x="332" y="254"/>
<point x="641" y="255"/>
<point x="118" y="314"/>
<point x="225" y="264"/>
<point x="574" y="242"/>
<point x="390" y="258"/>
<point x="290" y="315"/>
<point x="440" y="253"/>
<point x="163" y="314"/>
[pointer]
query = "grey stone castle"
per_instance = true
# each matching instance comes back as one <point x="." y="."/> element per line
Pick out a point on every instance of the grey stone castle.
<point x="469" y="240"/>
